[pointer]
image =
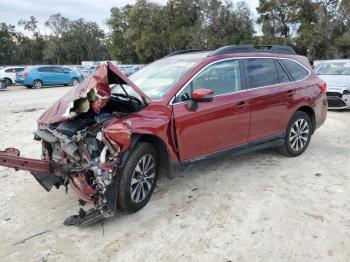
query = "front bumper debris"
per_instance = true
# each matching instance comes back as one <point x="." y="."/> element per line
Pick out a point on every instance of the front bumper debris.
<point x="10" y="158"/>
<point x="49" y="173"/>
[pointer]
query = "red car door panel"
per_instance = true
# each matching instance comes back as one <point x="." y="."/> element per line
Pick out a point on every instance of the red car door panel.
<point x="271" y="97"/>
<point x="269" y="110"/>
<point x="214" y="126"/>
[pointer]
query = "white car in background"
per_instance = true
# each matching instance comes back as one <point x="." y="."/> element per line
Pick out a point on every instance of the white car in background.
<point x="9" y="73"/>
<point x="336" y="73"/>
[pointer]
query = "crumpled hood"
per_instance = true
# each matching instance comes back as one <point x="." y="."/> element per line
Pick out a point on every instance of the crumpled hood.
<point x="94" y="91"/>
<point x="336" y="83"/>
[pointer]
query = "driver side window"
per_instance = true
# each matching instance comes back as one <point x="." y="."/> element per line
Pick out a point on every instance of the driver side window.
<point x="222" y="77"/>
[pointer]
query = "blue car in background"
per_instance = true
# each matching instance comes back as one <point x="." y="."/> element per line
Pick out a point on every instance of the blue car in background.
<point x="39" y="76"/>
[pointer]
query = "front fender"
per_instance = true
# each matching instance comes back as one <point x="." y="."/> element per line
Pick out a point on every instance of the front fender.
<point x="119" y="132"/>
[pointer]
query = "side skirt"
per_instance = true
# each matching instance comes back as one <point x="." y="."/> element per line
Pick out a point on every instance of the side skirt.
<point x="275" y="141"/>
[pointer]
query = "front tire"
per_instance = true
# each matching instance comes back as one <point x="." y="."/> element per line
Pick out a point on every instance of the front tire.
<point x="298" y="135"/>
<point x="138" y="178"/>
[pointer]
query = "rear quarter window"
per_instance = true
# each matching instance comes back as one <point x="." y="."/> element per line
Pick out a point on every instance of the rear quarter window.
<point x="297" y="71"/>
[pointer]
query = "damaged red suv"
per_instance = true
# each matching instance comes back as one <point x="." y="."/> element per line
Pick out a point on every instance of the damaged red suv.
<point x="111" y="136"/>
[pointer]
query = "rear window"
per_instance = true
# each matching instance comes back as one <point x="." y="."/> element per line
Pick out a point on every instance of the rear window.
<point x="297" y="71"/>
<point x="261" y="72"/>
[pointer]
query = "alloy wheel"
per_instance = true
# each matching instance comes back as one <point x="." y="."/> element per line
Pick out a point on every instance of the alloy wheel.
<point x="143" y="178"/>
<point x="75" y="82"/>
<point x="38" y="84"/>
<point x="8" y="81"/>
<point x="299" y="134"/>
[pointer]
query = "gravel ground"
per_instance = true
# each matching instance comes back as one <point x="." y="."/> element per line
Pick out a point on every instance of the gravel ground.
<point x="255" y="207"/>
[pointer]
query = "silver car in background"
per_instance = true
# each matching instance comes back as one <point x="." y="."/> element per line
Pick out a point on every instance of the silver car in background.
<point x="336" y="73"/>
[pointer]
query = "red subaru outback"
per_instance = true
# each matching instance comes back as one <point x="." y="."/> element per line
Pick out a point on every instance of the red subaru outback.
<point x="111" y="136"/>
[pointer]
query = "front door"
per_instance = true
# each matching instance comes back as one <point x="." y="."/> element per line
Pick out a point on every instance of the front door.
<point x="59" y="77"/>
<point x="216" y="125"/>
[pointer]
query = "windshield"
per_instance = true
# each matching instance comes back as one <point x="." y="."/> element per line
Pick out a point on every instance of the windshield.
<point x="336" y="68"/>
<point x="156" y="79"/>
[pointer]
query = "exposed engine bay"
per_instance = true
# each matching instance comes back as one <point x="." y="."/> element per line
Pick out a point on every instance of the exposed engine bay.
<point x="75" y="149"/>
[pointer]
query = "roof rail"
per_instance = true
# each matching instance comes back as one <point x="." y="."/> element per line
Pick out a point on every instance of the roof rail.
<point x="179" y="52"/>
<point x="275" y="49"/>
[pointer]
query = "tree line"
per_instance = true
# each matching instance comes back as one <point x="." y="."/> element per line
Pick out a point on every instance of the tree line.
<point x="146" y="31"/>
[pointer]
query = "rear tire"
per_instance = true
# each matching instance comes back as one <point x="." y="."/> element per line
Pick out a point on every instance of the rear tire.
<point x="138" y="178"/>
<point x="298" y="135"/>
<point x="37" y="84"/>
<point x="8" y="81"/>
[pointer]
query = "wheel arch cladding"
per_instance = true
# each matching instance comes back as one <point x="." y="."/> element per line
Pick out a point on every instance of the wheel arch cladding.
<point x="311" y="113"/>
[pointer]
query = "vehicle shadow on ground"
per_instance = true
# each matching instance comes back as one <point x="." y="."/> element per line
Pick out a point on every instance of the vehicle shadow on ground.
<point x="186" y="180"/>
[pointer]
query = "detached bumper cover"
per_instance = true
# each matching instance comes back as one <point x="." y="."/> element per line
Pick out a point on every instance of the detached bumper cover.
<point x="42" y="170"/>
<point x="10" y="158"/>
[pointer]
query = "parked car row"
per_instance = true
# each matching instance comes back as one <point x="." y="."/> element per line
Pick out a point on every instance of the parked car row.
<point x="336" y="73"/>
<point x="39" y="76"/>
<point x="47" y="75"/>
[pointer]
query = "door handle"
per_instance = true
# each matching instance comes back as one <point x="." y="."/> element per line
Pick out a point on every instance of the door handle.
<point x="241" y="105"/>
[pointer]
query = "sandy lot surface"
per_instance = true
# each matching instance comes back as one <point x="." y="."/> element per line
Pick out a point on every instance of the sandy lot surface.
<point x="255" y="207"/>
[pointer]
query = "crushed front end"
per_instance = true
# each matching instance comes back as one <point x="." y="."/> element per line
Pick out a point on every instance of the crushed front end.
<point x="84" y="159"/>
<point x="75" y="150"/>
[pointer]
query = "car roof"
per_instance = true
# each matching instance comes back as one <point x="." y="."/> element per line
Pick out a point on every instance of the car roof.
<point x="192" y="55"/>
<point x="9" y="67"/>
<point x="335" y="61"/>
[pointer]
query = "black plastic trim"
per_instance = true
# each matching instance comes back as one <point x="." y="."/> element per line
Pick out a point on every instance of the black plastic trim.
<point x="244" y="148"/>
<point x="233" y="49"/>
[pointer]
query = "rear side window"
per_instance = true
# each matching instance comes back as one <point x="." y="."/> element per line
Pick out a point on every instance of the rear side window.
<point x="44" y="69"/>
<point x="284" y="78"/>
<point x="297" y="71"/>
<point x="10" y="70"/>
<point x="261" y="72"/>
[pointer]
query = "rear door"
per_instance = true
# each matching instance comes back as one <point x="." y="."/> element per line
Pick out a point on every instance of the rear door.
<point x="216" y="125"/>
<point x="45" y="75"/>
<point x="271" y="95"/>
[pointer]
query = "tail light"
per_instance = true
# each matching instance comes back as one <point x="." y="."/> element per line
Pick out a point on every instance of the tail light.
<point x="23" y="75"/>
<point x="323" y="86"/>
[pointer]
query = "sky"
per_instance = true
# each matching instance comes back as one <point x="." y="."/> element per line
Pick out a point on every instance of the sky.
<point x="12" y="11"/>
